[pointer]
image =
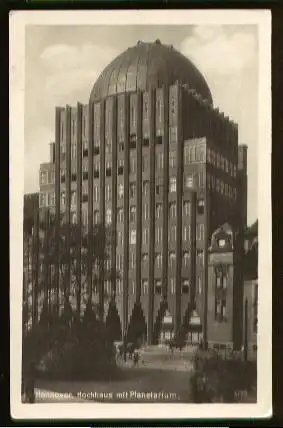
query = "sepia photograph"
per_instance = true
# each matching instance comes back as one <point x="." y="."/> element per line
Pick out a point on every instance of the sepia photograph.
<point x="139" y="191"/>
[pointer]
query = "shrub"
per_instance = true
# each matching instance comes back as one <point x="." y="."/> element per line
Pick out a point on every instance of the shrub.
<point x="81" y="351"/>
<point x="217" y="379"/>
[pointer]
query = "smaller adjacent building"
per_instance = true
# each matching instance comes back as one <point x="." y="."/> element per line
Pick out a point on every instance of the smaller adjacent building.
<point x="225" y="291"/>
<point x="251" y="285"/>
<point x="232" y="294"/>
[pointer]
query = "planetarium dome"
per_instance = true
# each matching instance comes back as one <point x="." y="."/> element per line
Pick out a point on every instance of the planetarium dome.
<point x="148" y="66"/>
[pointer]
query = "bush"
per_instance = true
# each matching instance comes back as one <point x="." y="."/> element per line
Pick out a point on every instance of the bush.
<point x="218" y="379"/>
<point x="81" y="352"/>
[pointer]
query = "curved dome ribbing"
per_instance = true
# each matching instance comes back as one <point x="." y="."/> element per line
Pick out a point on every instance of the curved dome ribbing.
<point x="148" y="66"/>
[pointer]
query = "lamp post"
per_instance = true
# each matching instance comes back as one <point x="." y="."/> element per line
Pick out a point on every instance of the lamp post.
<point x="246" y="331"/>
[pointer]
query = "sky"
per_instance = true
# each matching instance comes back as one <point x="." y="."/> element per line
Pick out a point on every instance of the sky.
<point x="63" y="62"/>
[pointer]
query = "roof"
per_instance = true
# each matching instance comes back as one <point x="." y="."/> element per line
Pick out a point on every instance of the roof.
<point x="148" y="66"/>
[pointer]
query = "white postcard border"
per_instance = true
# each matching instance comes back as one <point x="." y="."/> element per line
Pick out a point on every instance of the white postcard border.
<point x="18" y="21"/>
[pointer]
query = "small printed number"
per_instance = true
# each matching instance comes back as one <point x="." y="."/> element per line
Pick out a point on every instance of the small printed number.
<point x="241" y="394"/>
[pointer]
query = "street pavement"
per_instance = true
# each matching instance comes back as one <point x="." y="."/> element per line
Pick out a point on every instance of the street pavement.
<point x="159" y="377"/>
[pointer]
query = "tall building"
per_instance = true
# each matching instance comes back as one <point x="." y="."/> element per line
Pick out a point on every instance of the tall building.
<point x="151" y="156"/>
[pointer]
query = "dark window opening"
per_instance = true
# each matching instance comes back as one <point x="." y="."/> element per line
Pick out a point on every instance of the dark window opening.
<point x="158" y="189"/>
<point x="121" y="147"/>
<point x="185" y="289"/>
<point x="108" y="172"/>
<point x="74" y="177"/>
<point x="133" y="142"/>
<point x="120" y="170"/>
<point x="158" y="289"/>
<point x="85" y="153"/>
<point x="96" y="173"/>
<point x="200" y="206"/>
<point x="96" y="150"/>
<point x="159" y="139"/>
<point x="85" y="198"/>
<point x="63" y="179"/>
<point x="85" y="175"/>
<point x="145" y="142"/>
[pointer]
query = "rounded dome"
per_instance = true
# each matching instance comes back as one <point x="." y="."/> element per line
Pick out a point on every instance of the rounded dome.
<point x="148" y="66"/>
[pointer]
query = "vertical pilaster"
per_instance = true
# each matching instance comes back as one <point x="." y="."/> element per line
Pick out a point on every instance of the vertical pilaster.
<point x="67" y="278"/>
<point x="35" y="267"/>
<point x="114" y="196"/>
<point x="102" y="206"/>
<point x="179" y="202"/>
<point x="152" y="111"/>
<point x="165" y="193"/>
<point x="193" y="278"/>
<point x="57" y="204"/>
<point x="126" y="217"/>
<point x="90" y="201"/>
<point x="205" y="256"/>
<point x="139" y="198"/>
<point x="79" y="182"/>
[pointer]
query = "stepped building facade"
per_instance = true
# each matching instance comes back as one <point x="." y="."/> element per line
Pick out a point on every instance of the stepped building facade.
<point x="151" y="156"/>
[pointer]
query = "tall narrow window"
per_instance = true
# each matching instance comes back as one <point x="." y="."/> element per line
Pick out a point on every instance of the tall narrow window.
<point x="63" y="198"/>
<point x="200" y="232"/>
<point x="172" y="210"/>
<point x="84" y="194"/>
<point x="173" y="286"/>
<point x="96" y="170"/>
<point x="144" y="163"/>
<point x="185" y="286"/>
<point x="145" y="111"/>
<point x="96" y="217"/>
<point x="133" y="259"/>
<point x="120" y="215"/>
<point x="145" y="236"/>
<point x="108" y="193"/>
<point x="42" y="177"/>
<point x="172" y="159"/>
<point x="186" y="259"/>
<point x="85" y="170"/>
<point x="187" y="155"/>
<point x="42" y="199"/>
<point x="120" y="191"/>
<point x="145" y="188"/>
<point x="173" y="184"/>
<point x="108" y="217"/>
<point x="186" y="233"/>
<point x="158" y="210"/>
<point x="132" y="214"/>
<point x="133" y="236"/>
<point x="172" y="259"/>
<point x="145" y="286"/>
<point x="120" y="167"/>
<point x="189" y="181"/>
<point x="146" y="211"/>
<point x="132" y="190"/>
<point x="133" y="165"/>
<point x="120" y="238"/>
<point x="108" y="168"/>
<point x="158" y="288"/>
<point x="172" y="233"/>
<point x="95" y="193"/>
<point x="200" y="257"/>
<point x="73" y="197"/>
<point x="187" y="208"/>
<point x="158" y="260"/>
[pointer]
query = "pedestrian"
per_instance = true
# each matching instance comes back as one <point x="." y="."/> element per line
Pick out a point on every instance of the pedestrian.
<point x="136" y="358"/>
